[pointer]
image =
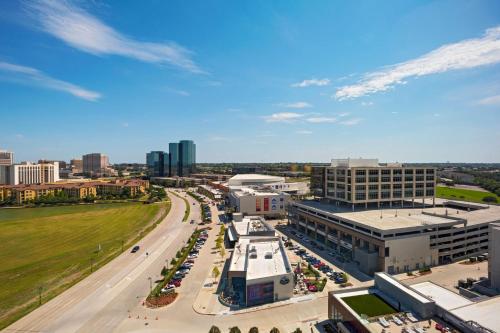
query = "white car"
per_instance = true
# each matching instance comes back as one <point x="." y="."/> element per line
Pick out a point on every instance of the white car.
<point x="168" y="288"/>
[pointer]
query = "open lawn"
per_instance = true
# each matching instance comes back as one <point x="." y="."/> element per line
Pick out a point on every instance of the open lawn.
<point x="369" y="304"/>
<point x="464" y="194"/>
<point x="52" y="247"/>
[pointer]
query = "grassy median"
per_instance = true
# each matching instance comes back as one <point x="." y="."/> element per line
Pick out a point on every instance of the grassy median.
<point x="50" y="249"/>
<point x="465" y="194"/>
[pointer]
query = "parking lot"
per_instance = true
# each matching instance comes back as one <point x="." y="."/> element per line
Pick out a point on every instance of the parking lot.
<point x="330" y="264"/>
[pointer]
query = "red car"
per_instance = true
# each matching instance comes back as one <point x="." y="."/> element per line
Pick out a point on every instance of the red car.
<point x="311" y="288"/>
<point x="191" y="261"/>
<point x="319" y="264"/>
<point x="176" y="283"/>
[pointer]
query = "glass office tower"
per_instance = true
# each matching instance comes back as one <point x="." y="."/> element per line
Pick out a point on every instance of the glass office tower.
<point x="187" y="157"/>
<point x="155" y="162"/>
<point x="173" y="149"/>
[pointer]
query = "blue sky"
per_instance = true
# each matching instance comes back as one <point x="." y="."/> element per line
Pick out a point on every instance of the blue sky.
<point x="256" y="81"/>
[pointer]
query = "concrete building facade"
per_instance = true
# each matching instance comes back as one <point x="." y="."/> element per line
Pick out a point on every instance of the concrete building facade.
<point x="257" y="201"/>
<point x="95" y="164"/>
<point x="494" y="256"/>
<point x="397" y="240"/>
<point x="368" y="182"/>
<point x="259" y="271"/>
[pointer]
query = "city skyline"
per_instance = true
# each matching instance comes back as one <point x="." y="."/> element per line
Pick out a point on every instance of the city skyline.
<point x="408" y="82"/>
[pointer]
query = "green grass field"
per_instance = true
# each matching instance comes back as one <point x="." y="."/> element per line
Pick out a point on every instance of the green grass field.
<point x="52" y="247"/>
<point x="463" y="194"/>
<point x="369" y="304"/>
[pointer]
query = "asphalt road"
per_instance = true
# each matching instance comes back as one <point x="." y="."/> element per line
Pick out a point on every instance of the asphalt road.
<point x="101" y="301"/>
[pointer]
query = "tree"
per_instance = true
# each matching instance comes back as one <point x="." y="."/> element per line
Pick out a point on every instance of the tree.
<point x="172" y="262"/>
<point x="234" y="329"/>
<point x="164" y="271"/>
<point x="274" y="330"/>
<point x="215" y="272"/>
<point x="254" y="330"/>
<point x="214" y="329"/>
<point x="222" y="252"/>
<point x="297" y="330"/>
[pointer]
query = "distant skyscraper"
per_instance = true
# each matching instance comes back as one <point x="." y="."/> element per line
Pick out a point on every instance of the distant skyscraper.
<point x="6" y="160"/>
<point x="95" y="163"/>
<point x="180" y="161"/>
<point x="173" y="149"/>
<point x="155" y="161"/>
<point x="6" y="157"/>
<point x="187" y="157"/>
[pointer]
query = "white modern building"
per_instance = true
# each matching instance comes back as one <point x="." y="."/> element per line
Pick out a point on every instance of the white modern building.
<point x="398" y="240"/>
<point x="273" y="183"/>
<point x="32" y="173"/>
<point x="247" y="226"/>
<point x="368" y="182"/>
<point x="257" y="201"/>
<point x="494" y="256"/>
<point x="259" y="271"/>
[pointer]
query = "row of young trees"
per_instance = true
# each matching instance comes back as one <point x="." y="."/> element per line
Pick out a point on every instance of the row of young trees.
<point x="235" y="329"/>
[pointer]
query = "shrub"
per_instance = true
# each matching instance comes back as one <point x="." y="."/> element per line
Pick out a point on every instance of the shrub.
<point x="490" y="198"/>
<point x="297" y="330"/>
<point x="178" y="254"/>
<point x="274" y="330"/>
<point x="234" y="329"/>
<point x="164" y="271"/>
<point x="253" y="330"/>
<point x="214" y="329"/>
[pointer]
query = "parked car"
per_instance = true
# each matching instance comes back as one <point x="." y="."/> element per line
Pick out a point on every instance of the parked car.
<point x="176" y="283"/>
<point x="135" y="249"/>
<point x="167" y="288"/>
<point x="312" y="288"/>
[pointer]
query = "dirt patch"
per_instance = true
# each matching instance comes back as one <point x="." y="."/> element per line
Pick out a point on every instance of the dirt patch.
<point x="160" y="301"/>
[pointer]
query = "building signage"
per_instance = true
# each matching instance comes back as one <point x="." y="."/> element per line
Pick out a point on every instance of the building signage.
<point x="284" y="280"/>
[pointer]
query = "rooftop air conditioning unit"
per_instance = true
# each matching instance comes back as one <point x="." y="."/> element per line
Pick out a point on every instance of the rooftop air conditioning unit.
<point x="253" y="255"/>
<point x="268" y="255"/>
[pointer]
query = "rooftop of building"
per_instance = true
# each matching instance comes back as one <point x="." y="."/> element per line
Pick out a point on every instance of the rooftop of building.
<point x="259" y="257"/>
<point x="402" y="218"/>
<point x="254" y="178"/>
<point x="251" y="224"/>
<point x="443" y="297"/>
<point x="241" y="191"/>
<point x="484" y="312"/>
<point x="210" y="189"/>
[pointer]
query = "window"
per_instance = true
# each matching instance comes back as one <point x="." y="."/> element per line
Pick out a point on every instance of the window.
<point x="387" y="252"/>
<point x="360" y="196"/>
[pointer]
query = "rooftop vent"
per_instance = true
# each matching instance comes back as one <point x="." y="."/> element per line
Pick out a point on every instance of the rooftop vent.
<point x="253" y="255"/>
<point x="268" y="255"/>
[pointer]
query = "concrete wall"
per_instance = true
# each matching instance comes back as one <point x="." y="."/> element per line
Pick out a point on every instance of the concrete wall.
<point x="409" y="252"/>
<point x="424" y="310"/>
<point x="494" y="255"/>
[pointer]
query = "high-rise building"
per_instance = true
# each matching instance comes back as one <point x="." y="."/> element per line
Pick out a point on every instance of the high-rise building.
<point x="76" y="165"/>
<point x="6" y="160"/>
<point x="155" y="161"/>
<point x="33" y="173"/>
<point x="187" y="157"/>
<point x="6" y="157"/>
<point x="95" y="164"/>
<point x="180" y="161"/>
<point x="173" y="149"/>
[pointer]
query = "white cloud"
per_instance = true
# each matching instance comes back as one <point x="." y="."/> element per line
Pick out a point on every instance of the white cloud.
<point x="394" y="112"/>
<point x="220" y="139"/>
<point x="178" y="92"/>
<point x="492" y="100"/>
<point x="351" y="122"/>
<point x="33" y="76"/>
<point x="283" y="117"/>
<point x="73" y="25"/>
<point x="465" y="54"/>
<point x="344" y="114"/>
<point x="366" y="103"/>
<point x="304" y="132"/>
<point x="311" y="82"/>
<point x="296" y="105"/>
<point x="321" y="120"/>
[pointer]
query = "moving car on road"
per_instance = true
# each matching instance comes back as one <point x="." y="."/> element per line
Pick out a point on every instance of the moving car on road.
<point x="135" y="249"/>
